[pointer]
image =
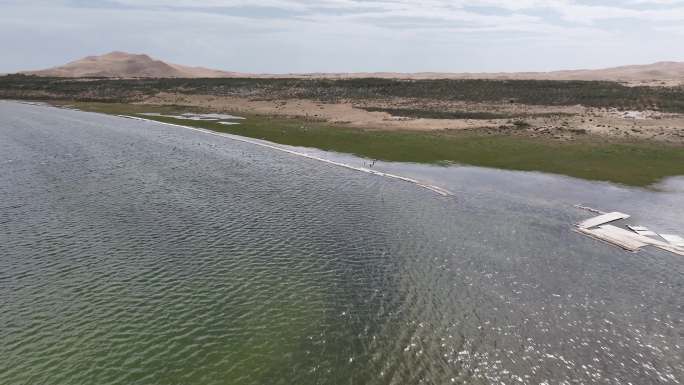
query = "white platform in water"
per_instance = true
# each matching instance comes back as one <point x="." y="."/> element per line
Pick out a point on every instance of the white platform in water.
<point x="602" y="219"/>
<point x="633" y="240"/>
<point x="673" y="239"/>
<point x="616" y="236"/>
<point x="641" y="230"/>
<point x="629" y="240"/>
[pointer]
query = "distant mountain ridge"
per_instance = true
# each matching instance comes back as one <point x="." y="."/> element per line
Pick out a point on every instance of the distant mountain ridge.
<point x="125" y="65"/>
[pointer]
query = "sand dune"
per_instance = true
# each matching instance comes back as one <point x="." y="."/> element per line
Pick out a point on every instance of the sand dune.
<point x="126" y="65"/>
<point x="669" y="72"/>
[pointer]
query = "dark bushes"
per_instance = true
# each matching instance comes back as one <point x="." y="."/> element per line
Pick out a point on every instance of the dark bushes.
<point x="539" y="92"/>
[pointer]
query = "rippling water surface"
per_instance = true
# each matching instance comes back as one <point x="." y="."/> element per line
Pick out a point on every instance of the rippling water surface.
<point x="137" y="253"/>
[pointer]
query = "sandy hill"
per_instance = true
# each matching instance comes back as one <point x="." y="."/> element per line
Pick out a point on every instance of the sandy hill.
<point x="668" y="72"/>
<point x="126" y="65"/>
<point x="633" y="73"/>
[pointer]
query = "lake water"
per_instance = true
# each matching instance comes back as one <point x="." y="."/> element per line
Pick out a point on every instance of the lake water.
<point x="138" y="253"/>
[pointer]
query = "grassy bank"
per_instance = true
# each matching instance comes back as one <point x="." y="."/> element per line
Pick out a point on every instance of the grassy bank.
<point x="636" y="164"/>
<point x="474" y="115"/>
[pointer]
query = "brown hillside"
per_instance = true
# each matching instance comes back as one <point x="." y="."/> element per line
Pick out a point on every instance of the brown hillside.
<point x="126" y="65"/>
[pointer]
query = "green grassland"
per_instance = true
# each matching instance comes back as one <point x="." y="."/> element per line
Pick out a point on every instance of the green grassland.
<point x="630" y="163"/>
<point x="463" y="114"/>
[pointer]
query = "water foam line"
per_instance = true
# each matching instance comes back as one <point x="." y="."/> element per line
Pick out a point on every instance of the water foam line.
<point x="435" y="189"/>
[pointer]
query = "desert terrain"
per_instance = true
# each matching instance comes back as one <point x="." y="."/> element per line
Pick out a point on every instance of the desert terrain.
<point x="642" y="102"/>
<point x="554" y="122"/>
<point x="119" y="64"/>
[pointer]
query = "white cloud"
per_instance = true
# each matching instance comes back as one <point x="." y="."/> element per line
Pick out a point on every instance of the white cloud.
<point x="340" y="35"/>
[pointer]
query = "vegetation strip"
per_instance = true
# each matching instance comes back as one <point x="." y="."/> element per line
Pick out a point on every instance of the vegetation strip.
<point x="600" y="94"/>
<point x="474" y="115"/>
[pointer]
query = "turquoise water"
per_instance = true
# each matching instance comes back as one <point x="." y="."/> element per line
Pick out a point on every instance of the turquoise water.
<point x="136" y="253"/>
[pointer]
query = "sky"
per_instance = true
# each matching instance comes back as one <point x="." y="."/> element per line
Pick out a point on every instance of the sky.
<point x="284" y="36"/>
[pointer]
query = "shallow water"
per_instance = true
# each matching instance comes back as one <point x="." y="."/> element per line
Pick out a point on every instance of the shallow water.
<point x="138" y="253"/>
<point x="220" y="118"/>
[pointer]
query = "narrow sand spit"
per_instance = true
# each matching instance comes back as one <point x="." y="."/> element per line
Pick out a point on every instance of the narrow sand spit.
<point x="435" y="189"/>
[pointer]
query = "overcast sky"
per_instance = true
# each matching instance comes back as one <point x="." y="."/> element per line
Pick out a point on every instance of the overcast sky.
<point x="347" y="35"/>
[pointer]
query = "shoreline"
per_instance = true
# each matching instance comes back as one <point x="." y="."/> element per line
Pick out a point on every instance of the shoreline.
<point x="436" y="189"/>
<point x="559" y="111"/>
<point x="627" y="162"/>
